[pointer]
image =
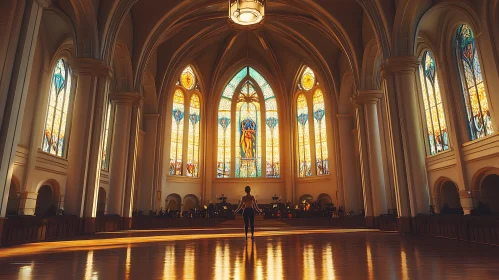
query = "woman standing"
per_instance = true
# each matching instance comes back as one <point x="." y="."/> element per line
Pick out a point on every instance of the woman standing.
<point x="248" y="204"/>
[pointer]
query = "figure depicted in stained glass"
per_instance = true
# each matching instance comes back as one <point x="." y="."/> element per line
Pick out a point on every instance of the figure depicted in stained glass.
<point x="321" y="154"/>
<point x="438" y="139"/>
<point x="242" y="100"/>
<point x="248" y="139"/>
<point x="193" y="141"/>
<point x="474" y="93"/>
<point x="187" y="79"/>
<point x="303" y="136"/>
<point x="56" y="122"/>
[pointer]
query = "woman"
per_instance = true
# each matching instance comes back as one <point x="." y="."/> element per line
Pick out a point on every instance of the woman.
<point x="248" y="204"/>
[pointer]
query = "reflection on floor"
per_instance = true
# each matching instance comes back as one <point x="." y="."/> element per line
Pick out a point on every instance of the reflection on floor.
<point x="288" y="253"/>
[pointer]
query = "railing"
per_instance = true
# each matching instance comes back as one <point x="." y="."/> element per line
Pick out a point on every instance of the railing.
<point x="26" y="229"/>
<point x="482" y="229"/>
<point x="342" y="222"/>
<point x="387" y="222"/>
<point x="158" y="222"/>
<point x="107" y="223"/>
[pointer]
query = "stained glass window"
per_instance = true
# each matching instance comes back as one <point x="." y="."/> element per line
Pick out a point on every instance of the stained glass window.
<point x="193" y="142"/>
<point x="314" y="133"/>
<point x="107" y="146"/>
<point x="438" y="138"/>
<point x="187" y="79"/>
<point x="305" y="168"/>
<point x="321" y="156"/>
<point x="56" y="122"/>
<point x="474" y="93"/>
<point x="242" y="104"/>
<point x="177" y="135"/>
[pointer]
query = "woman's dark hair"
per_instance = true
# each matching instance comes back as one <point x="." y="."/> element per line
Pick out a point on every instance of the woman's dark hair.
<point x="247" y="189"/>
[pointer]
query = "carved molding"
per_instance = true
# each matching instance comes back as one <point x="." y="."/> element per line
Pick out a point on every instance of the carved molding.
<point x="126" y="98"/>
<point x="44" y="3"/>
<point x="367" y="97"/>
<point x="398" y="65"/>
<point x="91" y="67"/>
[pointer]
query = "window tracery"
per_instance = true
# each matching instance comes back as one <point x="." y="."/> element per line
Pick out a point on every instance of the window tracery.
<point x="311" y="133"/>
<point x="186" y="118"/>
<point x="57" y="120"/>
<point x="248" y="121"/>
<point x="474" y="93"/>
<point x="436" y="126"/>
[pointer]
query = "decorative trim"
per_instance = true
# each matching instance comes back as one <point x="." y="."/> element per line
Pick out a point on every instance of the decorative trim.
<point x="398" y="65"/>
<point x="91" y="67"/>
<point x="367" y="97"/>
<point x="125" y="98"/>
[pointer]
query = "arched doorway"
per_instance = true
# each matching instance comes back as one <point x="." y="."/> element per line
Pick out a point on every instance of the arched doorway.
<point x="489" y="192"/>
<point x="13" y="202"/>
<point x="324" y="200"/>
<point x="306" y="198"/>
<point x="101" y="201"/>
<point x="190" y="201"/>
<point x="45" y="202"/>
<point x="449" y="199"/>
<point x="173" y="202"/>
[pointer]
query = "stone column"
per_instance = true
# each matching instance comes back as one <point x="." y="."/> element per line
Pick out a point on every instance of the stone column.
<point x="123" y="102"/>
<point x="131" y="170"/>
<point x="364" y="164"/>
<point x="351" y="188"/>
<point x="92" y="78"/>
<point x="147" y="192"/>
<point x="18" y="35"/>
<point x="406" y="138"/>
<point x="367" y="101"/>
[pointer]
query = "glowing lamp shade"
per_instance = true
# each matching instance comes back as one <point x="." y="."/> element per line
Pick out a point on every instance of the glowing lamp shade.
<point x="246" y="12"/>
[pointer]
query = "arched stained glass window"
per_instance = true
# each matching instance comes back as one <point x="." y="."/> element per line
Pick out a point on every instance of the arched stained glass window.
<point x="185" y="141"/>
<point x="107" y="143"/>
<point x="177" y="134"/>
<point x="438" y="138"/>
<point x="193" y="142"/>
<point x="474" y="93"/>
<point x="322" y="165"/>
<point x="247" y="105"/>
<point x="56" y="122"/>
<point x="311" y="127"/>
<point x="303" y="136"/>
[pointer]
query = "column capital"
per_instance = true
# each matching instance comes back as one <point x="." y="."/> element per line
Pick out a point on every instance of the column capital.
<point x="151" y="116"/>
<point x="91" y="67"/>
<point x="344" y="116"/>
<point x="398" y="65"/>
<point x="129" y="98"/>
<point x="44" y="3"/>
<point x="367" y="97"/>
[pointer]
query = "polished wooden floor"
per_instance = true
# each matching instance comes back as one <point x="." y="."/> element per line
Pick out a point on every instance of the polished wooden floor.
<point x="287" y="253"/>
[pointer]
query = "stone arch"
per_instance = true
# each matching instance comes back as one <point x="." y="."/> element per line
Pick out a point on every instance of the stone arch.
<point x="324" y="199"/>
<point x="485" y="188"/>
<point x="305" y="197"/>
<point x="190" y="201"/>
<point x="149" y="93"/>
<point x="122" y="65"/>
<point x="47" y="198"/>
<point x="446" y="194"/>
<point x="173" y="202"/>
<point x="369" y="76"/>
<point x="101" y="201"/>
<point x="14" y="192"/>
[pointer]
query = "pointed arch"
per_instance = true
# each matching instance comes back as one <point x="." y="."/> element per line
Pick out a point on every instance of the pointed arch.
<point x="247" y="116"/>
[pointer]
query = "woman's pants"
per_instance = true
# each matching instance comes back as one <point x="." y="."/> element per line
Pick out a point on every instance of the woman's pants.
<point x="249" y="218"/>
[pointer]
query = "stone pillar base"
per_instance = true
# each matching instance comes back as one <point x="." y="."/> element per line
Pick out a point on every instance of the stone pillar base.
<point x="126" y="223"/>
<point x="371" y="222"/>
<point x="87" y="225"/>
<point x="2" y="223"/>
<point x="404" y="224"/>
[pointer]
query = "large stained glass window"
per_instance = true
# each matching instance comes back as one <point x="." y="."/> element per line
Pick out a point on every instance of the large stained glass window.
<point x="193" y="142"/>
<point x="303" y="136"/>
<point x="248" y="122"/>
<point x="474" y="93"/>
<point x="56" y="122"/>
<point x="438" y="138"/>
<point x="311" y="127"/>
<point x="321" y="159"/>
<point x="107" y="144"/>
<point x="186" y="119"/>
